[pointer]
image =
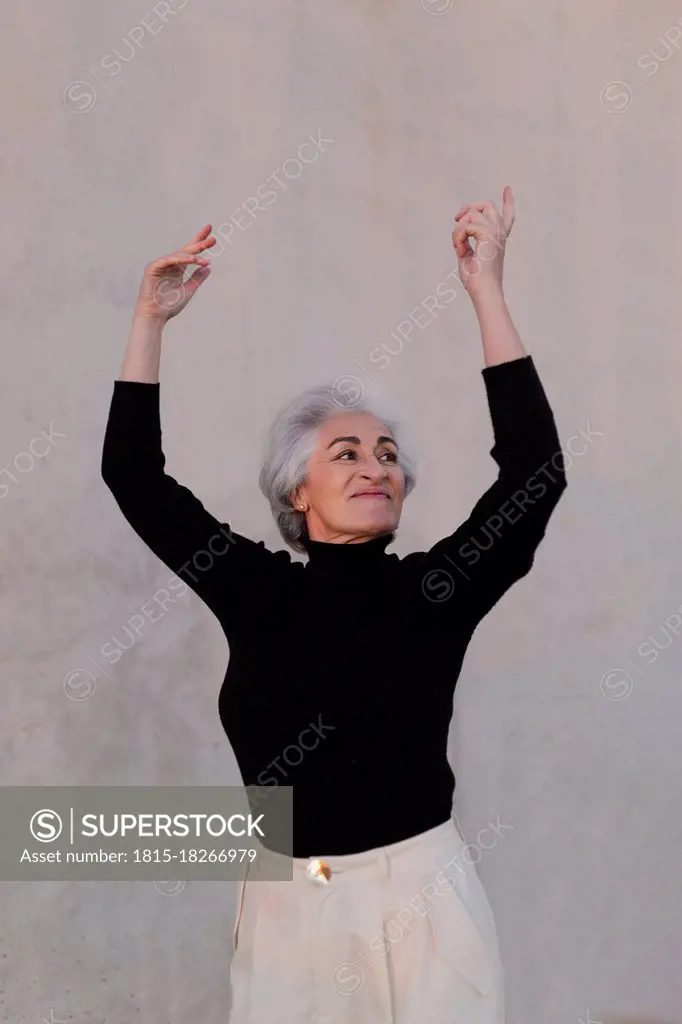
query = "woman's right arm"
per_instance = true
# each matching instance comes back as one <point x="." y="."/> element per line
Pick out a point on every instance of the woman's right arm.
<point x="219" y="565"/>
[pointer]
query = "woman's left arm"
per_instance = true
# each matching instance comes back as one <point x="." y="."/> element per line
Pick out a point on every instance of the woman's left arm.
<point x="496" y="544"/>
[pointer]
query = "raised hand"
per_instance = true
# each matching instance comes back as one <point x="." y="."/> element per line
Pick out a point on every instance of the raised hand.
<point x="163" y="293"/>
<point x="481" y="267"/>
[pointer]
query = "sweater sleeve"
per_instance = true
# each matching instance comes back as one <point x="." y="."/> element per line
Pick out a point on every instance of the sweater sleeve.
<point x="495" y="546"/>
<point x="218" y="564"/>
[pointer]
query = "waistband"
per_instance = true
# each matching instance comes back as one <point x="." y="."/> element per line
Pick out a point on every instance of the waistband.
<point x="380" y="856"/>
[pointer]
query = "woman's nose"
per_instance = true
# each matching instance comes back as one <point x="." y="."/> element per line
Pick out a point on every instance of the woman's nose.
<point x="374" y="469"/>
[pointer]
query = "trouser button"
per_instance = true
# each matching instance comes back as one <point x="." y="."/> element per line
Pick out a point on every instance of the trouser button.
<point x="318" y="871"/>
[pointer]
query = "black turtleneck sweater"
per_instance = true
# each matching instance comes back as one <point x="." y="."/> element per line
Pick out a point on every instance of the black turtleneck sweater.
<point x="342" y="669"/>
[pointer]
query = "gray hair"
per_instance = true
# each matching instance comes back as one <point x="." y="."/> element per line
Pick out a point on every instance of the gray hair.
<point x="292" y="438"/>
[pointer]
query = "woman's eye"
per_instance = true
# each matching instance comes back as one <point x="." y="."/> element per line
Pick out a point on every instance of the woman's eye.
<point x="392" y="457"/>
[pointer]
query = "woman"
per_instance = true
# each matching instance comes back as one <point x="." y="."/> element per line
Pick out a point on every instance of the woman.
<point x="342" y="669"/>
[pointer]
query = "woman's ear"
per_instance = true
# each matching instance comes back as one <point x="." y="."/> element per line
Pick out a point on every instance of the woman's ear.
<point x="298" y="502"/>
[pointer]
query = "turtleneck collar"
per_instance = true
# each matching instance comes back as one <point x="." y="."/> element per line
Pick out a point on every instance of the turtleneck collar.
<point x="347" y="559"/>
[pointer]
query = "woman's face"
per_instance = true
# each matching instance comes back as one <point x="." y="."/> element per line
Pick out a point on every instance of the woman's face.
<point x="355" y="453"/>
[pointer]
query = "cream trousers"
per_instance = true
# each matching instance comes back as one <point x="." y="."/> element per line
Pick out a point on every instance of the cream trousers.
<point x="402" y="934"/>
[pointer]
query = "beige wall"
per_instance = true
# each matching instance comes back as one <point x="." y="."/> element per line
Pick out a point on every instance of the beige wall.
<point x="427" y="106"/>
